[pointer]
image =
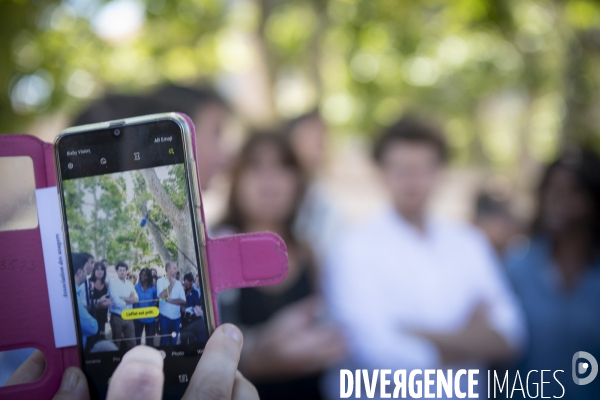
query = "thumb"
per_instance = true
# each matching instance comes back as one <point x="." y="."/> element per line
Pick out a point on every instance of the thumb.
<point x="73" y="386"/>
<point x="139" y="376"/>
<point x="215" y="374"/>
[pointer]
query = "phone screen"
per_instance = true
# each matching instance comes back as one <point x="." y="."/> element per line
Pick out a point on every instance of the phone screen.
<point x="135" y="263"/>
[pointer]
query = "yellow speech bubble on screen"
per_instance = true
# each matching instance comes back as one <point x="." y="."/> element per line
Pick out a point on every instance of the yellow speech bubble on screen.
<point x="138" y="313"/>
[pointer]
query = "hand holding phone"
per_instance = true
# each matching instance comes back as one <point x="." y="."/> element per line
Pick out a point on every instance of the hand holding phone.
<point x="215" y="376"/>
<point x="293" y="342"/>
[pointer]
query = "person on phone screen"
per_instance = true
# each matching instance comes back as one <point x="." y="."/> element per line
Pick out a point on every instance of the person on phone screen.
<point x="84" y="289"/>
<point x="122" y="293"/>
<point x="99" y="291"/>
<point x="104" y="262"/>
<point x="87" y="323"/>
<point x="192" y="314"/>
<point x="147" y="297"/>
<point x="413" y="291"/>
<point x="172" y="296"/>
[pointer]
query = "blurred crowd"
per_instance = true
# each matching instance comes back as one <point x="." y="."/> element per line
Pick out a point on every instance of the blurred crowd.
<point x="404" y="289"/>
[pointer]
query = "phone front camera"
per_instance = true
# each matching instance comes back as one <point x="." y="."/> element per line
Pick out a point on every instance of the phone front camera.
<point x="117" y="132"/>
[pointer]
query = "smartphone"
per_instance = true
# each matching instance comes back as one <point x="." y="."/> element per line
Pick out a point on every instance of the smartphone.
<point x="135" y="243"/>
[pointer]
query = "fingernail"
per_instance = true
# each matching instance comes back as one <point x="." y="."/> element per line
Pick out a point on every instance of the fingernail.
<point x="232" y="332"/>
<point x="69" y="380"/>
<point x="144" y="354"/>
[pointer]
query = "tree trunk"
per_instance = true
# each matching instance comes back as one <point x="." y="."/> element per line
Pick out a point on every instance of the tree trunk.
<point x="179" y="218"/>
<point x="155" y="237"/>
<point x="161" y="197"/>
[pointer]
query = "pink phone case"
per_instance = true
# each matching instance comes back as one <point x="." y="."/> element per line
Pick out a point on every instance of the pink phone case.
<point x="237" y="261"/>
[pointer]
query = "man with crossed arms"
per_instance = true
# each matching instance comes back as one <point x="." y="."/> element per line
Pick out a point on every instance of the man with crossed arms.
<point x="172" y="296"/>
<point x="123" y="295"/>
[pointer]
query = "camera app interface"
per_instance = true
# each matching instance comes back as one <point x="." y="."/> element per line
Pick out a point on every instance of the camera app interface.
<point x="134" y="259"/>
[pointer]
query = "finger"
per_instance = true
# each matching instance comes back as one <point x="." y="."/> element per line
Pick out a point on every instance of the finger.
<point x="481" y="309"/>
<point x="322" y="350"/>
<point x="334" y="352"/>
<point x="308" y="305"/>
<point x="73" y="386"/>
<point x="298" y="315"/>
<point x="243" y="389"/>
<point x="30" y="371"/>
<point x="216" y="371"/>
<point x="318" y="338"/>
<point x="138" y="376"/>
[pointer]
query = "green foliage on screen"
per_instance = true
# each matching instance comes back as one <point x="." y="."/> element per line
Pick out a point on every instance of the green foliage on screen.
<point x="105" y="221"/>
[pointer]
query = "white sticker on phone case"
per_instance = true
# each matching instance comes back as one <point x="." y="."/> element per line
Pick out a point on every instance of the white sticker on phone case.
<point x="57" y="271"/>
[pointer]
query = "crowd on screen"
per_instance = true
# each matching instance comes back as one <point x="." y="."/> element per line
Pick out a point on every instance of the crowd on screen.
<point x="103" y="305"/>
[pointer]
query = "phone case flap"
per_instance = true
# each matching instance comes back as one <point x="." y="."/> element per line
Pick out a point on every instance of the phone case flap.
<point x="25" y="315"/>
<point x="245" y="260"/>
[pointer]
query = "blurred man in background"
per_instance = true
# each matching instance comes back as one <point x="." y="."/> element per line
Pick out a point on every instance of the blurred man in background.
<point x="411" y="291"/>
<point x="206" y="109"/>
<point x="557" y="277"/>
<point x="209" y="114"/>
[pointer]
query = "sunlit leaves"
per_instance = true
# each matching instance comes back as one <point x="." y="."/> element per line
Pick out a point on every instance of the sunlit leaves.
<point x="290" y="27"/>
<point x="363" y="61"/>
<point x="583" y="14"/>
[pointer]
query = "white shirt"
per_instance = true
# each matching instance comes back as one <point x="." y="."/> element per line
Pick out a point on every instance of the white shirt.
<point x="386" y="278"/>
<point x="118" y="289"/>
<point x="169" y="310"/>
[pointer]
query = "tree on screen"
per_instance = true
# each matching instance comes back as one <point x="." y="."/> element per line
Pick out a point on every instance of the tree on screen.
<point x="102" y="222"/>
<point x="170" y="196"/>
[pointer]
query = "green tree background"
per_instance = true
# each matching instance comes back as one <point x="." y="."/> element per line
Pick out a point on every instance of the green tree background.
<point x="513" y="81"/>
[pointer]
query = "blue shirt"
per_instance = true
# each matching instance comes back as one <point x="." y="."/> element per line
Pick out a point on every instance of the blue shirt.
<point x="87" y="323"/>
<point x="561" y="320"/>
<point x="192" y="299"/>
<point x="146" y="298"/>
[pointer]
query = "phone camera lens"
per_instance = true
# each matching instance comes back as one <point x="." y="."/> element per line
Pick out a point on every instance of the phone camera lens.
<point x="117" y="132"/>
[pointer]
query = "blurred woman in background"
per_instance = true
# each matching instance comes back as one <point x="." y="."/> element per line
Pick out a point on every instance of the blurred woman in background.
<point x="286" y="345"/>
<point x="558" y="277"/>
